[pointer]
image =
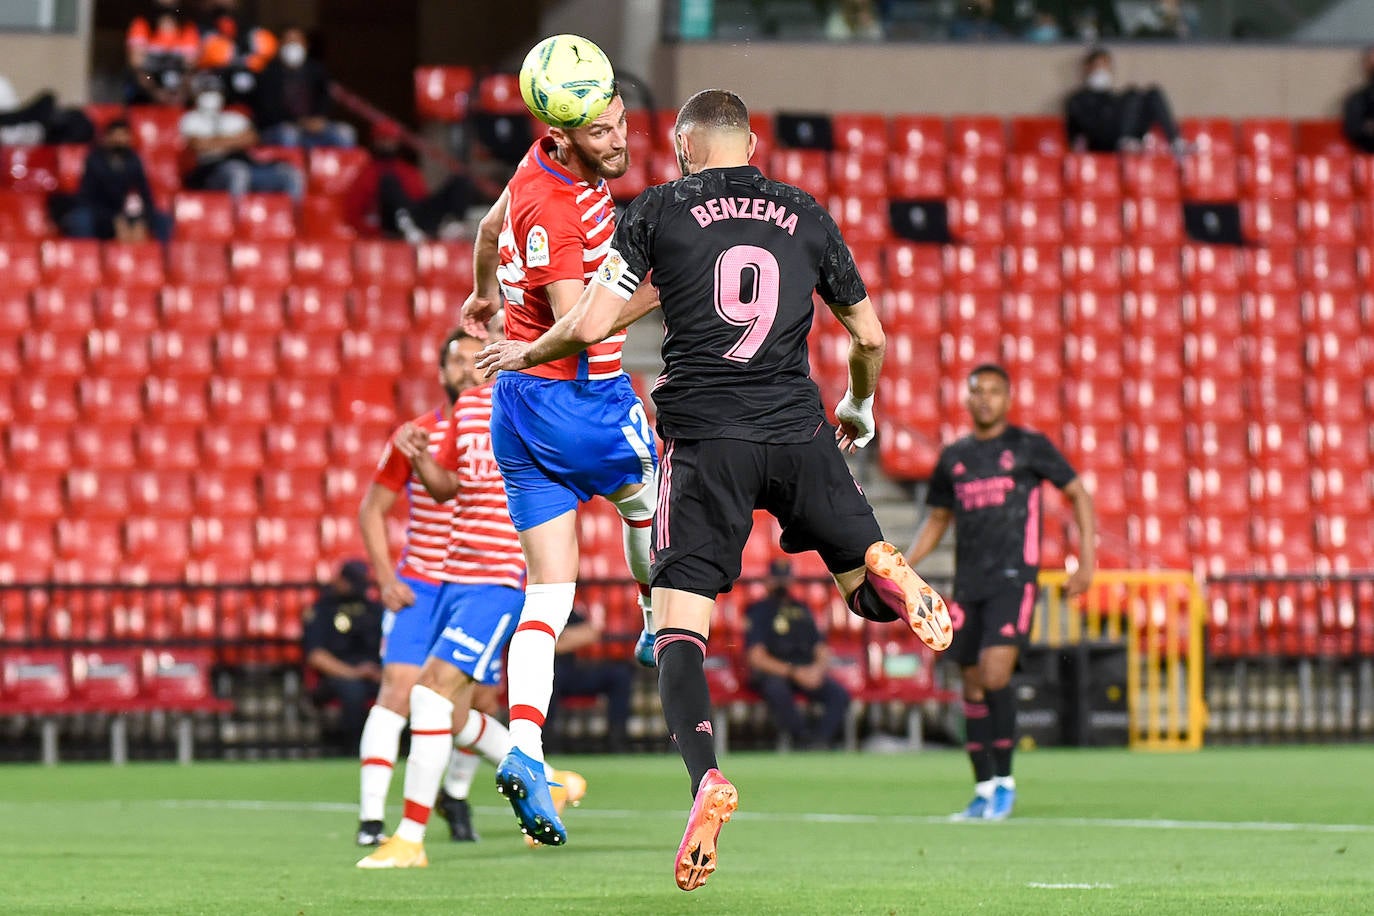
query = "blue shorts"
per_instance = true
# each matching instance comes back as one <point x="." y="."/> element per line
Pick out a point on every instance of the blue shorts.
<point x="559" y="442"/>
<point x="480" y="620"/>
<point x="407" y="634"/>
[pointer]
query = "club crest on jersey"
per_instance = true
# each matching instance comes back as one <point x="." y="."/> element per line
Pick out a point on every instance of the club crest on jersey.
<point x="612" y="268"/>
<point x="959" y="469"/>
<point x="1006" y="462"/>
<point x="537" y="247"/>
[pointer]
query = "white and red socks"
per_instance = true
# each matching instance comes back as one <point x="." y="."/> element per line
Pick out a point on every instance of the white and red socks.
<point x="377" y="753"/>
<point x="637" y="512"/>
<point x="529" y="665"/>
<point x="487" y="738"/>
<point x="462" y="770"/>
<point x="431" y="744"/>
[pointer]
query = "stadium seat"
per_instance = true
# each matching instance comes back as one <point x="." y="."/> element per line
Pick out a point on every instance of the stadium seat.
<point x="381" y="308"/>
<point x="40" y="399"/>
<point x="973" y="268"/>
<point x="1153" y="268"/>
<point x="1092" y="267"/>
<point x="862" y="219"/>
<point x="1092" y="444"/>
<point x="446" y="264"/>
<point x="301" y="400"/>
<point x="1334" y="174"/>
<point x="29" y="168"/>
<point x="358" y="444"/>
<point x="225" y="492"/>
<point x="1216" y="266"/>
<point x="167" y="447"/>
<point x="221" y="549"/>
<point x="862" y="174"/>
<point x="300" y="355"/>
<point x="855" y="132"/>
<point x="1326" y="221"/>
<point x="443" y="93"/>
<point x="296" y="446"/>
<point x="808" y="169"/>
<point x="23" y="216"/>
<point x="156" y="126"/>
<point x="164" y="176"/>
<point x="912" y="177"/>
<point x="231" y="448"/>
<point x="906" y="452"/>
<point x="133" y="265"/>
<point x="175" y="400"/>
<point x="246" y="354"/>
<point x="26" y="553"/>
<point x="34" y="495"/>
<point x="363" y="399"/>
<point x="1152" y="221"/>
<point x="1092" y="175"/>
<point x="915" y="266"/>
<point x="73" y="262"/>
<point x="197" y="263"/>
<point x="1269" y="270"/>
<point x="261" y="262"/>
<point x="383" y="263"/>
<point x="332" y="170"/>
<point x="499" y="93"/>
<point x="242" y="401"/>
<point x="1089" y="311"/>
<point x="976" y="220"/>
<point x="977" y="135"/>
<point x="71" y="165"/>
<point x="911" y="313"/>
<point x="15" y="313"/>
<point x="253" y="307"/>
<point x="161" y="493"/>
<point x="320" y="310"/>
<point x="1210" y="178"/>
<point x="19" y="263"/>
<point x="204" y="216"/>
<point x="322" y="218"/>
<point x="323" y="262"/>
<point x="1150" y="176"/>
<point x="39" y="446"/>
<point x="52" y="352"/>
<point x="1035" y="176"/>
<point x="434" y="312"/>
<point x="62" y="308"/>
<point x="1209" y="136"/>
<point x="1217" y="313"/>
<point x="291" y="492"/>
<point x="1320" y="136"/>
<point x="1330" y="267"/>
<point x="155" y="550"/>
<point x="1268" y="222"/>
<point x="110" y="399"/>
<point x="339" y="539"/>
<point x="919" y="135"/>
<point x="1260" y="176"/>
<point x="185" y="354"/>
<point x="90" y="539"/>
<point x="1095" y="221"/>
<point x="265" y="216"/>
<point x="1034" y="222"/>
<point x="1037" y="134"/>
<point x="975" y="176"/>
<point x="1094" y="356"/>
<point x="1034" y="269"/>
<point x="97" y="493"/>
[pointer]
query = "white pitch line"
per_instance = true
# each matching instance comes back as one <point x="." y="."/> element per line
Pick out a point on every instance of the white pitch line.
<point x="1069" y="886"/>
<point x="823" y="818"/>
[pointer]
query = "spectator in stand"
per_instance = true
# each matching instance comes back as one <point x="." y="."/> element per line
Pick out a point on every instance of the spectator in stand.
<point x="976" y="20"/>
<point x="342" y="641"/>
<point x="576" y="677"/>
<point x="389" y="197"/>
<point x="163" y="48"/>
<point x="234" y="45"/>
<point x="853" y="20"/>
<point x="292" y="99"/>
<point x="789" y="658"/>
<point x="222" y="142"/>
<point x="1043" y="28"/>
<point x="114" y="200"/>
<point x="1166" y="19"/>
<point x="1359" y="109"/>
<point x="1100" y="119"/>
<point x="39" y="120"/>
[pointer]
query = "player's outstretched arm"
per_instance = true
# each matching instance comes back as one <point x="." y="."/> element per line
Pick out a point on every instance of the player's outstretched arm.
<point x="485" y="299"/>
<point x="590" y="321"/>
<point x="867" y="343"/>
<point x="1086" y="518"/>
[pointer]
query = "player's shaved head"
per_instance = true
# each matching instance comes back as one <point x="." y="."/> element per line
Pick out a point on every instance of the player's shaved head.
<point x="714" y="109"/>
<point x="712" y="130"/>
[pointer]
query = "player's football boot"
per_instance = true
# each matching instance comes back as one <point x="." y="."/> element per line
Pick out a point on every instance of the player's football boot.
<point x="521" y="779"/>
<point x="397" y="853"/>
<point x="1003" y="800"/>
<point x="459" y="817"/>
<point x="567" y="788"/>
<point x="909" y="596"/>
<point x="644" y="649"/>
<point x="715" y="803"/>
<point x="370" y="833"/>
<point x="976" y="810"/>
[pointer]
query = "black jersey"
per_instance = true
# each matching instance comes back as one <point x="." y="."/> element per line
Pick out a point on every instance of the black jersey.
<point x="735" y="257"/>
<point x="993" y="488"/>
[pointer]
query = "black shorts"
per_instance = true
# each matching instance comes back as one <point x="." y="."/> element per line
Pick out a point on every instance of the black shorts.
<point x="709" y="489"/>
<point x="1002" y="618"/>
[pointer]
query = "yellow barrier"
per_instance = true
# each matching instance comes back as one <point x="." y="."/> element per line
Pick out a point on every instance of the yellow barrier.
<point x="1157" y="615"/>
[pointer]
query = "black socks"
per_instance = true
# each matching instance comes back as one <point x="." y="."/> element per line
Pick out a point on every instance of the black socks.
<point x="686" y="699"/>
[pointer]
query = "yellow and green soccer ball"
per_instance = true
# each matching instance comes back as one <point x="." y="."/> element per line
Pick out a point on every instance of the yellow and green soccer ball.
<point x="566" y="81"/>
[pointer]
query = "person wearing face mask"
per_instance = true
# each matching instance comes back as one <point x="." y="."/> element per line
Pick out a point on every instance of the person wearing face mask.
<point x="292" y="99"/>
<point x="389" y="197"/>
<point x="342" y="641"/>
<point x="114" y="200"/>
<point x="162" y="47"/>
<point x="1100" y="119"/>
<point x="1359" y="109"/>
<point x="221" y="141"/>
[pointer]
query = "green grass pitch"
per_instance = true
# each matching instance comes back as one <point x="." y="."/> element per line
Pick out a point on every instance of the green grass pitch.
<point x="1257" y="830"/>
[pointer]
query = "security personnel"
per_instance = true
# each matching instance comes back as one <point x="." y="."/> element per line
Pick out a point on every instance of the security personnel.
<point x="788" y="659"/>
<point x="342" y="641"/>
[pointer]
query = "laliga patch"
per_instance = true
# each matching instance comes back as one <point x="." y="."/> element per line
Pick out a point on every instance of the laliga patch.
<point x="612" y="268"/>
<point x="537" y="247"/>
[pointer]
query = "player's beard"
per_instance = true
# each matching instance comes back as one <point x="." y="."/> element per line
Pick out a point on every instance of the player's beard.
<point x="598" y="166"/>
<point x="452" y="391"/>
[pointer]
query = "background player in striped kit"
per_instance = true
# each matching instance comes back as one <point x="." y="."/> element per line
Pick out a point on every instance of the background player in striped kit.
<point x="479" y="606"/>
<point x="563" y="432"/>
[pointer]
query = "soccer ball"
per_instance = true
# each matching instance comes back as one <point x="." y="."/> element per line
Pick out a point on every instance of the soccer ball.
<point x="566" y="81"/>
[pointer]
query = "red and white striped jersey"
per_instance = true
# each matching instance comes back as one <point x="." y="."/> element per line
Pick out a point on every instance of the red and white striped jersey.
<point x="428" y="529"/>
<point x="557" y="227"/>
<point x="483" y="547"/>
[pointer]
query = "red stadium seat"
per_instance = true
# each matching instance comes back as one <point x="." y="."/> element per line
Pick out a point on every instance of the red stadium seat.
<point x="1034" y="176"/>
<point x="301" y="400"/>
<point x="110" y="399"/>
<point x="19" y="264"/>
<point x="911" y="177"/>
<point x="221" y="549"/>
<point x="1041" y="135"/>
<point x="23" y="216"/>
<point x="1151" y="177"/>
<point x="974" y="176"/>
<point x="164" y="175"/>
<point x="29" y="168"/>
<point x="444" y="264"/>
<point x="1267" y="137"/>
<point x="1093" y="313"/>
<point x="256" y="308"/>
<point x="1090" y="443"/>
<point x="1210" y="136"/>
<point x="156" y="126"/>
<point x="136" y="265"/>
<point x="974" y="268"/>
<point x="161" y="493"/>
<point x="862" y="174"/>
<point x="15" y="313"/>
<point x="322" y="310"/>
<point x="1155" y="268"/>
<point x="370" y="353"/>
<point x="171" y="448"/>
<point x="864" y="133"/>
<point x="331" y="171"/>
<point x="1210" y="178"/>
<point x="808" y="169"/>
<point x="1328" y="175"/>
<point x="1035" y="221"/>
<point x="1096" y="267"/>
<point x="1093" y="221"/>
<point x="97" y="494"/>
<point x="205" y="216"/>
<point x="156" y="550"/>
<point x="38" y="446"/>
<point x="296" y="446"/>
<point x="324" y="262"/>
<point x="1093" y="175"/>
<point x="73" y="262"/>
<point x="291" y="492"/>
<point x="62" y="308"/>
<point x="1268" y="222"/>
<point x="915" y="266"/>
<point x="976" y="220"/>
<point x="246" y="354"/>
<point x="1094" y="356"/>
<point x="443" y="93"/>
<point x="358" y="444"/>
<point x="231" y="447"/>
<point x="862" y="219"/>
<point x="1269" y="270"/>
<point x="1326" y="221"/>
<point x="383" y="263"/>
<point x="977" y="135"/>
<point x="363" y="399"/>
<point x="381" y="308"/>
<point x="53" y="353"/>
<point x="1032" y="268"/>
<point x="240" y="401"/>
<point x="184" y="354"/>
<point x="42" y="399"/>
<point x="300" y="355"/>
<point x="71" y="165"/>
<point x="322" y="218"/>
<point x="175" y="400"/>
<point x="1217" y="313"/>
<point x="1329" y="267"/>
<point x="499" y="93"/>
<point x="198" y="263"/>
<point x="1264" y="177"/>
<point x="90" y="539"/>
<point x="264" y="262"/>
<point x="1216" y="266"/>
<point x="919" y="135"/>
<point x="1152" y="221"/>
<point x="908" y="312"/>
<point x="31" y="494"/>
<point x="907" y="452"/>
<point x="1319" y="137"/>
<point x="265" y="216"/>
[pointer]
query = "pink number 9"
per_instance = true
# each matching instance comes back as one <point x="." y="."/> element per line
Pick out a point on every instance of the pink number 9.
<point x="747" y="269"/>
